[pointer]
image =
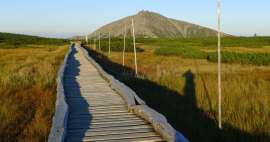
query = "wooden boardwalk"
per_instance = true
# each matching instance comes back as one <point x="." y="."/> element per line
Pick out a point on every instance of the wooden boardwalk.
<point x="96" y="111"/>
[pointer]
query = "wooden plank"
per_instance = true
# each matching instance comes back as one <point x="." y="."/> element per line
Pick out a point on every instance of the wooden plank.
<point x="98" y="107"/>
<point x="98" y="112"/>
<point x="100" y="115"/>
<point x="146" y="139"/>
<point x="110" y="129"/>
<point x="102" y="120"/>
<point x="115" y="132"/>
<point x="106" y="125"/>
<point x="115" y="137"/>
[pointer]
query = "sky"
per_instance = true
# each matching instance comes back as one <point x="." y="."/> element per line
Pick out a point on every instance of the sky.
<point x="66" y="18"/>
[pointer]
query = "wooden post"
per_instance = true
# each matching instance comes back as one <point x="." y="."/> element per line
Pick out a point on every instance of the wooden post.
<point x="90" y="41"/>
<point x="134" y="46"/>
<point x="123" y="63"/>
<point x="95" y="41"/>
<point x="219" y="63"/>
<point x="109" y="54"/>
<point x="86" y="39"/>
<point x="99" y="42"/>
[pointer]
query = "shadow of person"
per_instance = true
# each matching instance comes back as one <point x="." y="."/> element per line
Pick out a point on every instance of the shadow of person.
<point x="189" y="89"/>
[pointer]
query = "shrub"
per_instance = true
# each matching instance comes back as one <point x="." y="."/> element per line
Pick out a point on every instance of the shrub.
<point x="191" y="52"/>
<point x="117" y="45"/>
<point x="243" y="58"/>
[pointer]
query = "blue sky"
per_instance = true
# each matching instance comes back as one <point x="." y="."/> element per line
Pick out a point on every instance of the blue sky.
<point x="65" y="18"/>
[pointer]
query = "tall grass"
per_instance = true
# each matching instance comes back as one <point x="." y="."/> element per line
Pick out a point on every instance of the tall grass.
<point x="27" y="92"/>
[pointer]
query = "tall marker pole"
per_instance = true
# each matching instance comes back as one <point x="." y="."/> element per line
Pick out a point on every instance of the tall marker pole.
<point x="95" y="40"/>
<point x="109" y="44"/>
<point x="125" y="32"/>
<point x="86" y="39"/>
<point x="134" y="44"/>
<point x="219" y="63"/>
<point x="99" y="42"/>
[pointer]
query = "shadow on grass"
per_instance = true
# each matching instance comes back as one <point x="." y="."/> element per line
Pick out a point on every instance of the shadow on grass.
<point x="181" y="110"/>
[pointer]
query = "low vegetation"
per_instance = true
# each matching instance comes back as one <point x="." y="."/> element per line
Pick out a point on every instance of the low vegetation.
<point x="181" y="84"/>
<point x="188" y="49"/>
<point x="117" y="45"/>
<point x="28" y="89"/>
<point x="8" y="40"/>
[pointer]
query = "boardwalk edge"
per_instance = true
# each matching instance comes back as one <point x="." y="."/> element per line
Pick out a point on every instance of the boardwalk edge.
<point x="59" y="123"/>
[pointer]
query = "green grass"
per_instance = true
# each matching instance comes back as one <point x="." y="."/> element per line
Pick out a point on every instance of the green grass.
<point x="8" y="40"/>
<point x="186" y="52"/>
<point x="249" y="42"/>
<point x="117" y="45"/>
<point x="192" y="48"/>
<point x="243" y="58"/>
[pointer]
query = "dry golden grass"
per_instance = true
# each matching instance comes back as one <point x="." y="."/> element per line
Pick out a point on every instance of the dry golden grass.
<point x="245" y="88"/>
<point x="27" y="92"/>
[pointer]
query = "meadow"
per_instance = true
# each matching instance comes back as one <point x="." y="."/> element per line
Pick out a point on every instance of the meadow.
<point x="28" y="88"/>
<point x="178" y="78"/>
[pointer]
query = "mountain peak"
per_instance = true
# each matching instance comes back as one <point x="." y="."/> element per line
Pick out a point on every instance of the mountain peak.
<point x="146" y="12"/>
<point x="152" y="24"/>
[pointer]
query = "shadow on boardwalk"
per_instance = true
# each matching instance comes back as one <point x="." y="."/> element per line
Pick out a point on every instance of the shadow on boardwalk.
<point x="80" y="118"/>
<point x="181" y="110"/>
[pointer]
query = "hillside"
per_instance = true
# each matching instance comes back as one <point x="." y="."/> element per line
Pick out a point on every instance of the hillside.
<point x="150" y="24"/>
<point x="9" y="40"/>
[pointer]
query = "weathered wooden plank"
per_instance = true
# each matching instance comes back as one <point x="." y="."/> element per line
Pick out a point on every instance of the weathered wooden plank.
<point x="110" y="129"/>
<point x="111" y="132"/>
<point x="90" y="123"/>
<point x="103" y="120"/>
<point x="115" y="137"/>
<point x="106" y="125"/>
<point x="99" y="115"/>
<point x="97" y="112"/>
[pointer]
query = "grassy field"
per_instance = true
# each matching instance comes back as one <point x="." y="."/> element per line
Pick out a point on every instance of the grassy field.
<point x="184" y="88"/>
<point x="28" y="89"/>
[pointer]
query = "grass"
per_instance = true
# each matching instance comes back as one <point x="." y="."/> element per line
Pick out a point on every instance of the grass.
<point x="117" y="45"/>
<point x="201" y="47"/>
<point x="248" y="42"/>
<point x="8" y="40"/>
<point x="28" y="89"/>
<point x="243" y="58"/>
<point x="184" y="89"/>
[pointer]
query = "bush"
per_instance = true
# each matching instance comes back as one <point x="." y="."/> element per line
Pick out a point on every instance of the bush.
<point x="117" y="45"/>
<point x="243" y="58"/>
<point x="185" y="52"/>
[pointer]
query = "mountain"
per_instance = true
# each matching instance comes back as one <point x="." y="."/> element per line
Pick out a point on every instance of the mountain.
<point x="150" y="24"/>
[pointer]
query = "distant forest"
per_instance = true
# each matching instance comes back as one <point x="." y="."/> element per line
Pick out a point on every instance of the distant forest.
<point x="8" y="40"/>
